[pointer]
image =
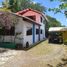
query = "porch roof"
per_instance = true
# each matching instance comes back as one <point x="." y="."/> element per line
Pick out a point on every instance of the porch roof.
<point x="53" y="29"/>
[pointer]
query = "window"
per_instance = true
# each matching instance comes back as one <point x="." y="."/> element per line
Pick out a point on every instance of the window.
<point x="41" y="19"/>
<point x="37" y="31"/>
<point x="41" y="31"/>
<point x="5" y="31"/>
<point x="29" y="31"/>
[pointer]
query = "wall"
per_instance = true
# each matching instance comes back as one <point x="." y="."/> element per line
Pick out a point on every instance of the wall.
<point x="27" y="38"/>
<point x="6" y="38"/>
<point x="36" y="35"/>
<point x="42" y="36"/>
<point x="19" y="29"/>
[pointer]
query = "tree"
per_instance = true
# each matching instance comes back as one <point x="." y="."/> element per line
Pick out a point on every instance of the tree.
<point x="53" y="22"/>
<point x="62" y="8"/>
<point x="5" y="9"/>
<point x="7" y="20"/>
<point x="16" y="5"/>
<point x="11" y="5"/>
<point x="5" y="6"/>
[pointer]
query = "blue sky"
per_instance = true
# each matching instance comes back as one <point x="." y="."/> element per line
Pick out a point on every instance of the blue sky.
<point x="1" y="2"/>
<point x="60" y="17"/>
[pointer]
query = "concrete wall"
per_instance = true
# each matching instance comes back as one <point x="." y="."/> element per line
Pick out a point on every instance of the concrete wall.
<point x="27" y="38"/>
<point x="42" y="36"/>
<point x="6" y="38"/>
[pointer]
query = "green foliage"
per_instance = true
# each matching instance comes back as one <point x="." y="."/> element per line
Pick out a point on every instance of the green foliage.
<point x="5" y="9"/>
<point x="65" y="42"/>
<point x="5" y="4"/>
<point x="53" y="22"/>
<point x="16" y="5"/>
<point x="62" y="7"/>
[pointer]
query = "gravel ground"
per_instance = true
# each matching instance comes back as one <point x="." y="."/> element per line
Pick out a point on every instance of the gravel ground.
<point x="6" y="54"/>
<point x="42" y="55"/>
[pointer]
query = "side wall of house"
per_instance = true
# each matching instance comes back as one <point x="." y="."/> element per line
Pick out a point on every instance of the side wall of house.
<point x="27" y="38"/>
<point x="42" y="27"/>
<point x="19" y="31"/>
<point x="16" y="38"/>
<point x="36" y="35"/>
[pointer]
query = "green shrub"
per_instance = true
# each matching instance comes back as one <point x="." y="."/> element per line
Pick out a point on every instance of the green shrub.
<point x="65" y="42"/>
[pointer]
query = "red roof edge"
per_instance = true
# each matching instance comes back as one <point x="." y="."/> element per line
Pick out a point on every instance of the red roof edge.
<point x="29" y="9"/>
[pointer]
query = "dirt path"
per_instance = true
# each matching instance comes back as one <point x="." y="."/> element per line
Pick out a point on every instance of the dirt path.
<point x="33" y="58"/>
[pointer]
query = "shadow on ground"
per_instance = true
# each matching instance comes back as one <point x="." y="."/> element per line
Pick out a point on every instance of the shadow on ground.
<point x="2" y="50"/>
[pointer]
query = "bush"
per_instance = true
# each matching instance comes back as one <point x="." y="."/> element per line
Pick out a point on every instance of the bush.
<point x="65" y="42"/>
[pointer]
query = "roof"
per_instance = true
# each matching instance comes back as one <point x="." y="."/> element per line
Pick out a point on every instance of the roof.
<point x="31" y="21"/>
<point x="29" y="9"/>
<point x="53" y="29"/>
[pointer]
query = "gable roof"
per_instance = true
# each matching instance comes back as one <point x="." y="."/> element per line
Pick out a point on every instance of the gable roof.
<point x="27" y="19"/>
<point x="26" y="10"/>
<point x="29" y="9"/>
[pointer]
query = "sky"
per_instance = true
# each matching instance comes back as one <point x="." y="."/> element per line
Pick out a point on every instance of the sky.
<point x="60" y="17"/>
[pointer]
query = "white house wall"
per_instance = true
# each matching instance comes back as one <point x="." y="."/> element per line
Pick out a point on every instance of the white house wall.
<point x="27" y="38"/>
<point x="22" y="27"/>
<point x="42" y="36"/>
<point x="19" y="29"/>
<point x="36" y="35"/>
<point x="7" y="39"/>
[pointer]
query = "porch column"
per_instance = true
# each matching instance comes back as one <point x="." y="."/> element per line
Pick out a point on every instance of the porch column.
<point x="33" y="32"/>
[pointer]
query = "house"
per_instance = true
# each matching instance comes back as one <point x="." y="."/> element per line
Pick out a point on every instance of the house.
<point x="38" y="26"/>
<point x="30" y="28"/>
<point x="57" y="30"/>
<point x="39" y="18"/>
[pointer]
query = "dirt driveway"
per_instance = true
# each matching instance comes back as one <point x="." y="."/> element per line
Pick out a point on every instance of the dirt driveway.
<point x="42" y="55"/>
